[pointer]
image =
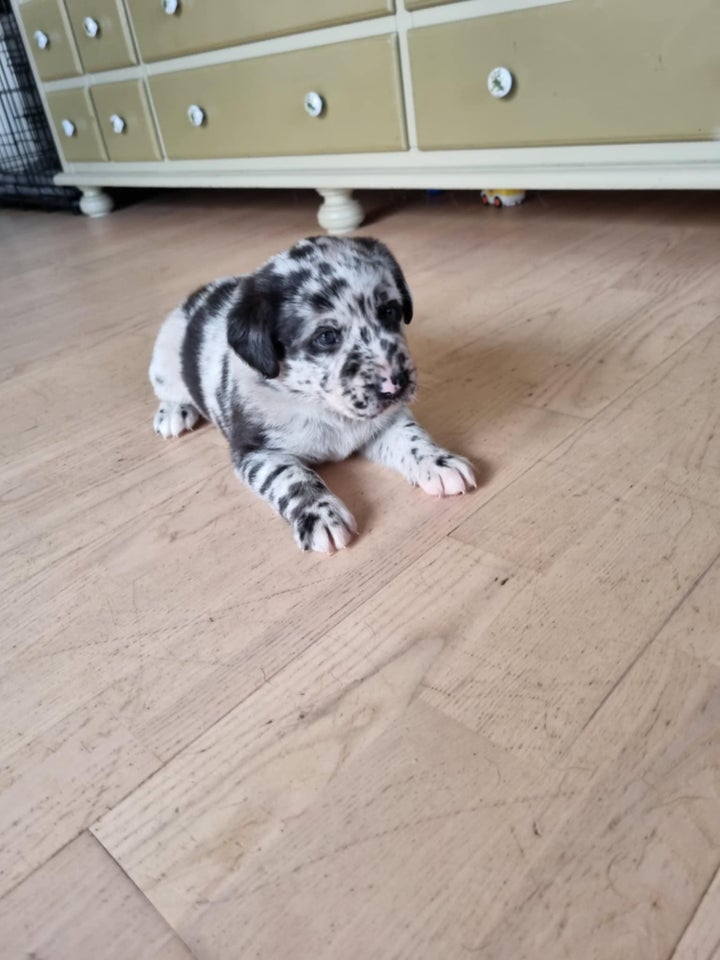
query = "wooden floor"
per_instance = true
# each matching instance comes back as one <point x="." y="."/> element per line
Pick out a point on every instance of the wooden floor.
<point x="491" y="729"/>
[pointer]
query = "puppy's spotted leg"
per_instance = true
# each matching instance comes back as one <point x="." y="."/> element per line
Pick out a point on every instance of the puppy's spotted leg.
<point x="406" y="447"/>
<point x="320" y="521"/>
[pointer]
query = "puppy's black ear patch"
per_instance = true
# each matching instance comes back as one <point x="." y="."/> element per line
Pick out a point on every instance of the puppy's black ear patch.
<point x="405" y="297"/>
<point x="376" y="246"/>
<point x="252" y="327"/>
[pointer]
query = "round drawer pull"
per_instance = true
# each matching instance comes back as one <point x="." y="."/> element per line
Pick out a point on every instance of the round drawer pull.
<point x="91" y="27"/>
<point x="68" y="128"/>
<point x="117" y="123"/>
<point x="314" y="104"/>
<point x="196" y="115"/>
<point x="171" y="7"/>
<point x="42" y="40"/>
<point x="500" y="82"/>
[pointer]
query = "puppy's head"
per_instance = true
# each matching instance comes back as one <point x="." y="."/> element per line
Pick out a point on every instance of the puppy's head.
<point x="325" y="320"/>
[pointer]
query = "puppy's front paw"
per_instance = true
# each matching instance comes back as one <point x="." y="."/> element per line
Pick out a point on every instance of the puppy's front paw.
<point x="325" y="526"/>
<point x="445" y="475"/>
<point x="172" y="419"/>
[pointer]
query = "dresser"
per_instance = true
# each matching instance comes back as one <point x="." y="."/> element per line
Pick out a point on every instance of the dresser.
<point x="340" y="95"/>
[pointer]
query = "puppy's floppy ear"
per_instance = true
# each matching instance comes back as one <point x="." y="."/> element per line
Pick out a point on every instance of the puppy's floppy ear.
<point x="398" y="276"/>
<point x="252" y="326"/>
<point x="405" y="298"/>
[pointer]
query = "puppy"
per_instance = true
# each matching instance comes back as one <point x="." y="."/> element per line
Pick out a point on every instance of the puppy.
<point x="301" y="362"/>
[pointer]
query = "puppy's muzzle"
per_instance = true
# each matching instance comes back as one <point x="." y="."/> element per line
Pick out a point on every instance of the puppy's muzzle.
<point x="393" y="387"/>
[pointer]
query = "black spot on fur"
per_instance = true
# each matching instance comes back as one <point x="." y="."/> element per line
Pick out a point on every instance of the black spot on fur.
<point x="190" y="359"/>
<point x="367" y="243"/>
<point x="192" y="302"/>
<point x="351" y="365"/>
<point x="324" y="268"/>
<point x="272" y="477"/>
<point x="282" y="505"/>
<point x="245" y="436"/>
<point x="159" y="380"/>
<point x="365" y="335"/>
<point x="252" y="473"/>
<point x="221" y="297"/>
<point x="298" y="278"/>
<point x="321" y="302"/>
<point x="361" y="301"/>
<point x="321" y="243"/>
<point x="303" y="493"/>
<point x="301" y="251"/>
<point x="306" y="526"/>
<point x="222" y="395"/>
<point x="336" y="286"/>
<point x="441" y="461"/>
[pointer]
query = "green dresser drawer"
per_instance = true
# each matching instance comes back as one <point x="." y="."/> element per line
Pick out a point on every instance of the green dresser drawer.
<point x="171" y="28"/>
<point x="419" y="4"/>
<point x="584" y="72"/>
<point x="50" y="39"/>
<point x="123" y="113"/>
<point x="76" y="125"/>
<point x="101" y="33"/>
<point x="257" y="107"/>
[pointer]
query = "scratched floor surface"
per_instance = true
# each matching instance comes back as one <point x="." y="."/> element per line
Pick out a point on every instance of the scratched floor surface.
<point x="488" y="730"/>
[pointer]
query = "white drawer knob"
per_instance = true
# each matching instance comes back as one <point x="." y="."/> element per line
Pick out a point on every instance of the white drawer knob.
<point x="314" y="104"/>
<point x="171" y="6"/>
<point x="91" y="27"/>
<point x="68" y="128"/>
<point x="42" y="40"/>
<point x="500" y="82"/>
<point x="196" y="115"/>
<point x="117" y="123"/>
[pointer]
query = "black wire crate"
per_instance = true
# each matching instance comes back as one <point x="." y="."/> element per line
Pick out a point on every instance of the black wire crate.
<point x="28" y="157"/>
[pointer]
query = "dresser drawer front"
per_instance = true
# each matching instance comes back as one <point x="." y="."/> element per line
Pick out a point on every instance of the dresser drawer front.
<point x="50" y="39"/>
<point x="76" y="126"/>
<point x="420" y="4"/>
<point x="190" y="26"/>
<point x="124" y="115"/>
<point x="583" y="72"/>
<point x="257" y="107"/>
<point x="101" y="33"/>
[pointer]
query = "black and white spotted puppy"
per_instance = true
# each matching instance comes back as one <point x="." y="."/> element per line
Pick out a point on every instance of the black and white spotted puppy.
<point x="302" y="362"/>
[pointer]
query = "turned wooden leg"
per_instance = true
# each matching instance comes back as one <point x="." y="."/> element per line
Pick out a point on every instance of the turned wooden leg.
<point x="95" y="202"/>
<point x="339" y="212"/>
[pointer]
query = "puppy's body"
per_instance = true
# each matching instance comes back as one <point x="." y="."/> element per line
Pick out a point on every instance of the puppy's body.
<point x="302" y="362"/>
<point x="309" y="430"/>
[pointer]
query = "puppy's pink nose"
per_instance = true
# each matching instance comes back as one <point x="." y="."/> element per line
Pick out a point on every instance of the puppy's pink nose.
<point x="388" y="388"/>
<point x="392" y="385"/>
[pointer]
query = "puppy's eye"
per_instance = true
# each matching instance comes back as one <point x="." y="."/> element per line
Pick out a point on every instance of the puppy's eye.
<point x="389" y="313"/>
<point x="326" y="339"/>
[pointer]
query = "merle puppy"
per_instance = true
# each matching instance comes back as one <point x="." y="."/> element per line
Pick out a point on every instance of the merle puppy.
<point x="303" y="361"/>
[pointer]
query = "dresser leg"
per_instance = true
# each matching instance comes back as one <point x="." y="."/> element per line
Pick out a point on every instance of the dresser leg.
<point x="95" y="202"/>
<point x="339" y="212"/>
